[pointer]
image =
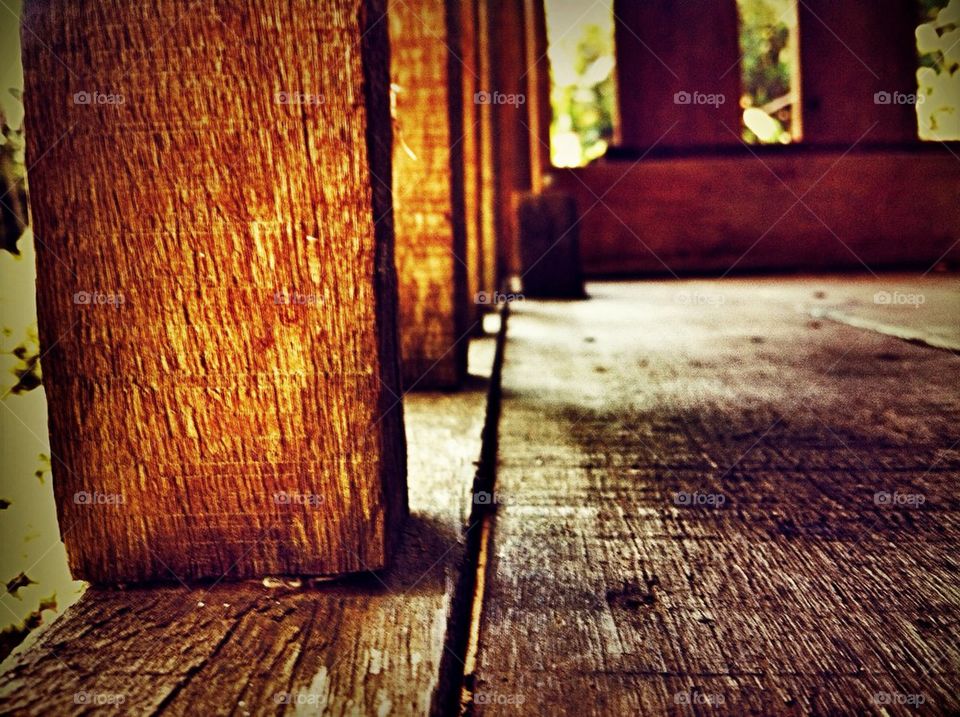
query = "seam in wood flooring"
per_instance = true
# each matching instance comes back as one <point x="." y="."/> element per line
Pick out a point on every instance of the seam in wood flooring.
<point x="460" y="646"/>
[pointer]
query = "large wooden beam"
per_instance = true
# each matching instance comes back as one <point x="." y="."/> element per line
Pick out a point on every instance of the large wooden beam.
<point x="216" y="289"/>
<point x="678" y="76"/>
<point x="858" y="64"/>
<point x="428" y="192"/>
<point x="720" y="213"/>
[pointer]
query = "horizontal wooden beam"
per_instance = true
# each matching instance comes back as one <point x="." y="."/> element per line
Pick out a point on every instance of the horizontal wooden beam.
<point x="788" y="210"/>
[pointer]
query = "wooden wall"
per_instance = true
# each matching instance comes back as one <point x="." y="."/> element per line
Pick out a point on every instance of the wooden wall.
<point x="882" y="208"/>
<point x="680" y="193"/>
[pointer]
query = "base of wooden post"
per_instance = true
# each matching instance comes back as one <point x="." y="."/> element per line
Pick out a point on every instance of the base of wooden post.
<point x="550" y="246"/>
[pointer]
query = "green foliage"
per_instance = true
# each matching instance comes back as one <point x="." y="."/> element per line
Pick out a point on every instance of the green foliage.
<point x="764" y="37"/>
<point x="583" y="94"/>
<point x="766" y="65"/>
<point x="929" y="11"/>
<point x="938" y="76"/>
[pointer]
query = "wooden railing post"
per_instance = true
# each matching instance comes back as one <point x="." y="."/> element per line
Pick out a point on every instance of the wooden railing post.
<point x="538" y="97"/>
<point x="504" y="41"/>
<point x="428" y="191"/>
<point x="216" y="290"/>
<point x="678" y="75"/>
<point x="858" y="64"/>
<point x="489" y="224"/>
<point x="472" y="202"/>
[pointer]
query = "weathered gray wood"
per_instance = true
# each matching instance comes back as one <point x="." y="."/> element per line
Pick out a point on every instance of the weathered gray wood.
<point x="216" y="289"/>
<point x="372" y="644"/>
<point x="799" y="594"/>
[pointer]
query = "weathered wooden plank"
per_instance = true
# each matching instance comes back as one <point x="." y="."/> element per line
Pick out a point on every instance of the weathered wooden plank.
<point x="858" y="65"/>
<point x="428" y="192"/>
<point x="700" y="213"/>
<point x="210" y="194"/>
<point x="678" y="78"/>
<point x="371" y="644"/>
<point x="708" y="500"/>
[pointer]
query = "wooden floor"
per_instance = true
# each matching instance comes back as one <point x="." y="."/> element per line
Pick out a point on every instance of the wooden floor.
<point x="711" y="497"/>
<point x="694" y="511"/>
<point x="372" y="644"/>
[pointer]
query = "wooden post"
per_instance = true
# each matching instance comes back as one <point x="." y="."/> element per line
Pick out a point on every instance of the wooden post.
<point x="216" y="289"/>
<point x="489" y="225"/>
<point x="678" y="76"/>
<point x="858" y="64"/>
<point x="538" y="100"/>
<point x="428" y="192"/>
<point x="507" y="96"/>
<point x="550" y="246"/>
<point x="473" y="219"/>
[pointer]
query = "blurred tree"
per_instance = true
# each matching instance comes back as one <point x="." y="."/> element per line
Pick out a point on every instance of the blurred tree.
<point x="766" y="36"/>
<point x="583" y="93"/>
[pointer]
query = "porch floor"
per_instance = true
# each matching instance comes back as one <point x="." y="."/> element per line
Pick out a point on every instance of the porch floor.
<point x="718" y="497"/>
<point x="711" y="497"/>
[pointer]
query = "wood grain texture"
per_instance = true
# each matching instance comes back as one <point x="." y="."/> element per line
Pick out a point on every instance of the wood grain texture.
<point x="371" y="644"/>
<point x="238" y="409"/>
<point x="849" y="52"/>
<point x="703" y="213"/>
<point x="664" y="48"/>
<point x="428" y="192"/>
<point x="613" y="590"/>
